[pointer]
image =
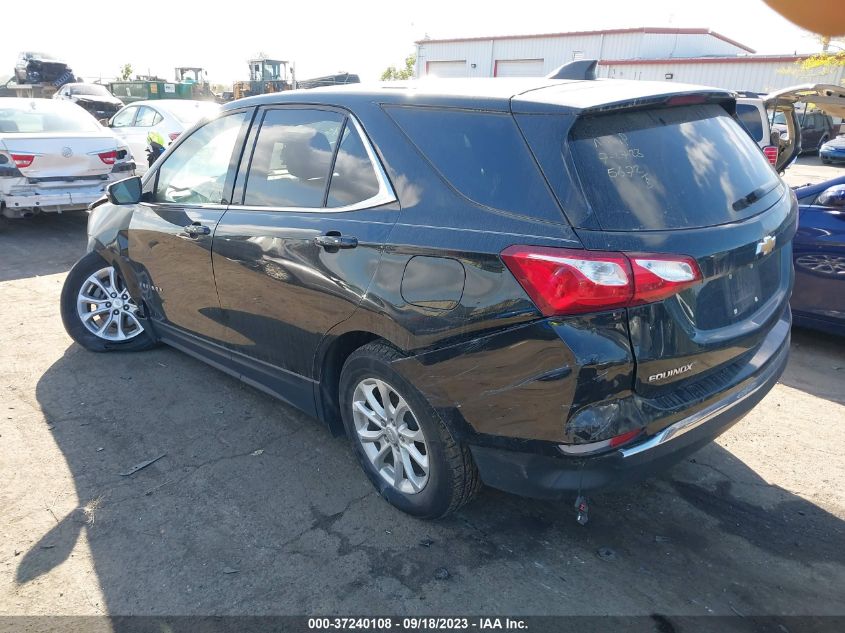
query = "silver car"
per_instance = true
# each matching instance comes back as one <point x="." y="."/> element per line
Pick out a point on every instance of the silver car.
<point x="166" y="117"/>
<point x="55" y="157"/>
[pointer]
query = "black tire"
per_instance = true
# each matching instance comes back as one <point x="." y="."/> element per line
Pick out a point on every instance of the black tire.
<point x="72" y="321"/>
<point x="826" y="161"/>
<point x="453" y="479"/>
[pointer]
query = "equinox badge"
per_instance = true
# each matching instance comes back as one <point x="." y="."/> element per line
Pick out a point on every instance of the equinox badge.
<point x="677" y="371"/>
<point x="765" y="246"/>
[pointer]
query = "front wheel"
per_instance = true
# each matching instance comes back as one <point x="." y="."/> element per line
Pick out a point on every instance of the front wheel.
<point x="98" y="312"/>
<point x="401" y="443"/>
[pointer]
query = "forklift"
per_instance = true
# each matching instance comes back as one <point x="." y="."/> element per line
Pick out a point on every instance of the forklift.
<point x="266" y="76"/>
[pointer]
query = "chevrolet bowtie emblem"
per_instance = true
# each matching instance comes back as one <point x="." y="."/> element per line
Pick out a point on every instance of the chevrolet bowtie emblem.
<point x="766" y="245"/>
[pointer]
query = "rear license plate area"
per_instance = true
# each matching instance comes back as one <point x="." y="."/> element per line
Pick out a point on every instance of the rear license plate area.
<point x="744" y="289"/>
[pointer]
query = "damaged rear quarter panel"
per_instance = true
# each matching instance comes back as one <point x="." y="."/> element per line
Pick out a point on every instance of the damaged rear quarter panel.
<point x="527" y="381"/>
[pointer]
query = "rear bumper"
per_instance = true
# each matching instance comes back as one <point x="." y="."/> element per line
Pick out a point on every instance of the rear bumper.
<point x="552" y="477"/>
<point x="46" y="200"/>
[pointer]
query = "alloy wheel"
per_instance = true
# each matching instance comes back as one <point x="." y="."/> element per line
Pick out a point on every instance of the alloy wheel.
<point x="105" y="307"/>
<point x="828" y="265"/>
<point x="390" y="435"/>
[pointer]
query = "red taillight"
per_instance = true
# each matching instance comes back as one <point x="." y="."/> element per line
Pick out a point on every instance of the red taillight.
<point x="659" y="276"/>
<point x="174" y="135"/>
<point x="563" y="281"/>
<point x="771" y="153"/>
<point x="23" y="160"/>
<point x="108" y="157"/>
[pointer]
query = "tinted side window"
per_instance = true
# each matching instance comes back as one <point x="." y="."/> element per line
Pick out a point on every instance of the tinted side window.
<point x="482" y="155"/>
<point x="749" y="116"/>
<point x="292" y="158"/>
<point x="354" y="178"/>
<point x="197" y="170"/>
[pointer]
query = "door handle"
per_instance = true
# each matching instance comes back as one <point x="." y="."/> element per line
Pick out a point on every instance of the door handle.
<point x="197" y="229"/>
<point x="334" y="241"/>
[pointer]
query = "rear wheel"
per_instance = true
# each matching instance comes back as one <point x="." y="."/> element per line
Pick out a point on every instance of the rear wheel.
<point x="401" y="443"/>
<point x="98" y="312"/>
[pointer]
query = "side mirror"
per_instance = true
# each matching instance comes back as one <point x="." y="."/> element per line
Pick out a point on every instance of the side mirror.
<point x="832" y="197"/>
<point x="126" y="191"/>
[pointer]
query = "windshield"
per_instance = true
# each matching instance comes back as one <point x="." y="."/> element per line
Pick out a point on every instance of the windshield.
<point x="44" y="115"/>
<point x="189" y="112"/>
<point x="671" y="168"/>
<point x="90" y="89"/>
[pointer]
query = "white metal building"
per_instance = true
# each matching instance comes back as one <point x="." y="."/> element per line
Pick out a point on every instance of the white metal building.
<point x="757" y="73"/>
<point x="685" y="55"/>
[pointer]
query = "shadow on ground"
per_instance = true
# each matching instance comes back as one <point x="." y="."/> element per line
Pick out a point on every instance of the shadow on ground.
<point x="45" y="244"/>
<point x="256" y="509"/>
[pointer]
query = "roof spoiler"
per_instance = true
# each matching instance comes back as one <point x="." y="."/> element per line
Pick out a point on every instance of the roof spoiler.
<point x="579" y="69"/>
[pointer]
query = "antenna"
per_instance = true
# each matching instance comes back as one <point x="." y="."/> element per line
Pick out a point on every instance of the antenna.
<point x="579" y="69"/>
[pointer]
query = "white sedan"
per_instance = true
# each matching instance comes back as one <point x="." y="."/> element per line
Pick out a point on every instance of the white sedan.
<point x="55" y="157"/>
<point x="168" y="117"/>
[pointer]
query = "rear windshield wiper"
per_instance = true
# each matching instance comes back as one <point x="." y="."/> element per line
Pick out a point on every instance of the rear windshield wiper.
<point x="754" y="196"/>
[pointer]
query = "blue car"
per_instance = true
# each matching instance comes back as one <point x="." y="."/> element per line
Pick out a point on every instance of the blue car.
<point x="818" y="299"/>
<point x="833" y="151"/>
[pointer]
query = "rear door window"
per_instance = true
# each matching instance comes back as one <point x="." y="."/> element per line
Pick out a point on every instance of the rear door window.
<point x="292" y="158"/>
<point x="670" y="168"/>
<point x="146" y="117"/>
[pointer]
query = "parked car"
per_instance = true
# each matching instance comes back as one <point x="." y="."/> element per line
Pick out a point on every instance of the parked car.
<point x="752" y="113"/>
<point x="818" y="300"/>
<point x="167" y="117"/>
<point x="817" y="128"/>
<point x="41" y="68"/>
<point x="421" y="267"/>
<point x="94" y="98"/>
<point x="54" y="156"/>
<point x="833" y="151"/>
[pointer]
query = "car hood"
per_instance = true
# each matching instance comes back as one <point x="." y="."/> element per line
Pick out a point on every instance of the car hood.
<point x="838" y="142"/>
<point x="97" y="99"/>
<point x="828" y="98"/>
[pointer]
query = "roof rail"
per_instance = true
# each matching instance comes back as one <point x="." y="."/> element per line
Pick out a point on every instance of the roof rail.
<point x="579" y="69"/>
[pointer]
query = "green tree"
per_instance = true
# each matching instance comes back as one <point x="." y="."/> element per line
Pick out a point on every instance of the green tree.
<point x="826" y="58"/>
<point x="125" y="72"/>
<point x="394" y="74"/>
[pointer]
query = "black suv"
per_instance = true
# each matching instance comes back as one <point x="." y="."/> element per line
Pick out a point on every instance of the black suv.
<point x="543" y="285"/>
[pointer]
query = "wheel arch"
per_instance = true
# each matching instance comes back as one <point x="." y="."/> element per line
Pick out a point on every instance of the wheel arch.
<point x="329" y="360"/>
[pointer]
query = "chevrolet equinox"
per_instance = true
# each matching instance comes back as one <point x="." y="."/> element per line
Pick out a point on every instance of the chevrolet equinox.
<point x="542" y="285"/>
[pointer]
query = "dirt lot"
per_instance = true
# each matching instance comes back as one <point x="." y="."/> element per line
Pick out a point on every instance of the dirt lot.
<point x="255" y="509"/>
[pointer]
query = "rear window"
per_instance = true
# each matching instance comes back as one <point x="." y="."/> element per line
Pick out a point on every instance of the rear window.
<point x="39" y="116"/>
<point x="481" y="154"/>
<point x="671" y="168"/>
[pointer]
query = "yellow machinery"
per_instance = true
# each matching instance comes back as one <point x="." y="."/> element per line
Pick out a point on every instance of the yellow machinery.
<point x="265" y="76"/>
